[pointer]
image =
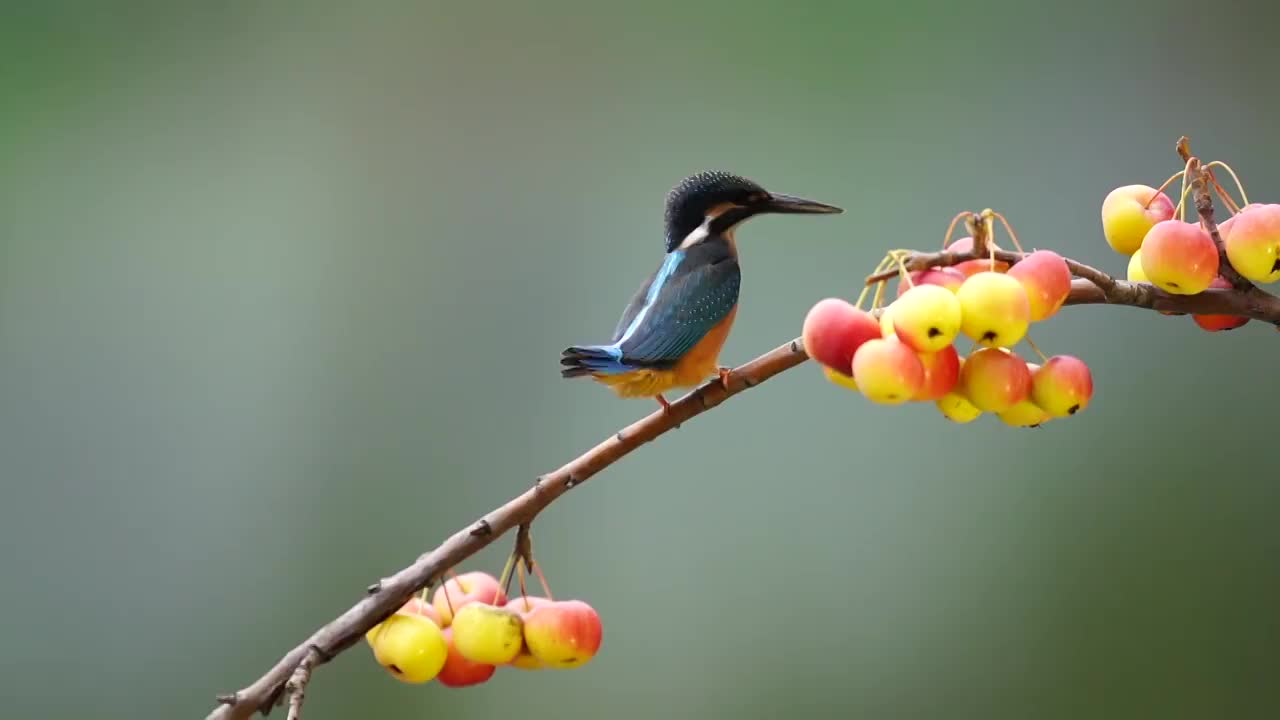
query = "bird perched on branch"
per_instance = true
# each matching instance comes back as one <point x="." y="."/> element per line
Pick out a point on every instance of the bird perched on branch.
<point x="671" y="333"/>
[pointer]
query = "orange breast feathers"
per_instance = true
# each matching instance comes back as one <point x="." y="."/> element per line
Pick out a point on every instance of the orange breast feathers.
<point x="697" y="365"/>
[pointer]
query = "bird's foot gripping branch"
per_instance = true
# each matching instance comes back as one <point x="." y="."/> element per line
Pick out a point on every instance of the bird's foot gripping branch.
<point x="972" y="292"/>
<point x="977" y="294"/>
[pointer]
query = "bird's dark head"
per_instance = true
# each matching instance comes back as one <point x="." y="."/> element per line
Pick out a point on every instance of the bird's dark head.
<point x="712" y="203"/>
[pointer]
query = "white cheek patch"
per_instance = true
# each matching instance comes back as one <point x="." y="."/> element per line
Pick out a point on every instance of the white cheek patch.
<point x="699" y="234"/>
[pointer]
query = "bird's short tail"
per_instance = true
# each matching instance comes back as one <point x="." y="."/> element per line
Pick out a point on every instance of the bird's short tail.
<point x="581" y="360"/>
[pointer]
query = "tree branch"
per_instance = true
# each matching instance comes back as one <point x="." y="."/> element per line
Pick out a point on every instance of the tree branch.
<point x="389" y="594"/>
<point x="384" y="597"/>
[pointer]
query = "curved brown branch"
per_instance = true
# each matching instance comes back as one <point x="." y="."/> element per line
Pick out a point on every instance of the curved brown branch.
<point x="384" y="597"/>
<point x="387" y="595"/>
<point x="1093" y="286"/>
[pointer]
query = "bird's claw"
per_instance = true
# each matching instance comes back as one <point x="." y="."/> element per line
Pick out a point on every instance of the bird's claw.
<point x="725" y="374"/>
<point x="666" y="406"/>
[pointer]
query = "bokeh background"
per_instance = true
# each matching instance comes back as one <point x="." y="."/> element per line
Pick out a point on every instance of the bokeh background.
<point x="283" y="288"/>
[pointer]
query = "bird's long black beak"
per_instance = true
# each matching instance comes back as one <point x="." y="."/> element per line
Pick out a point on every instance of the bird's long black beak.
<point x="792" y="205"/>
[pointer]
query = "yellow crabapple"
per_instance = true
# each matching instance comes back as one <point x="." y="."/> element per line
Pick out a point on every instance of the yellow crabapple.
<point x="995" y="309"/>
<point x="955" y="407"/>
<point x="411" y="647"/>
<point x="926" y="318"/>
<point x="1125" y="220"/>
<point x="488" y="634"/>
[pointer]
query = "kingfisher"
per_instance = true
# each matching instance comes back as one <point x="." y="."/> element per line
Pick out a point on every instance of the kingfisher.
<point x="671" y="333"/>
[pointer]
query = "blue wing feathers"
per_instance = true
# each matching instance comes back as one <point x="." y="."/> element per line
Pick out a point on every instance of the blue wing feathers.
<point x="687" y="297"/>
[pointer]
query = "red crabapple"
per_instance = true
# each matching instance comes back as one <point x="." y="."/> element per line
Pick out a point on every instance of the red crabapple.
<point x="459" y="671"/>
<point x="1047" y="280"/>
<point x="469" y="587"/>
<point x="833" y="330"/>
<point x="946" y="277"/>
<point x="1218" y="323"/>
<point x="941" y="373"/>
<point x="973" y="267"/>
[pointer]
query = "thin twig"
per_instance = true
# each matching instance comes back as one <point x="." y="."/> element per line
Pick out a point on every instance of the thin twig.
<point x="297" y="685"/>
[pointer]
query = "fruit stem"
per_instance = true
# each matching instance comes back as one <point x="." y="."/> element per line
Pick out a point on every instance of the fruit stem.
<point x="1182" y="196"/>
<point x="1156" y="194"/>
<point x="1012" y="235"/>
<point x="1239" y="185"/>
<point x="862" y="296"/>
<point x="537" y="570"/>
<point x="1031" y="343"/>
<point x="879" y="296"/>
<point x="902" y="269"/>
<point x="946" y="239"/>
<point x="1222" y="194"/>
<point x="524" y="593"/>
<point x="445" y="587"/>
<point x="504" y="580"/>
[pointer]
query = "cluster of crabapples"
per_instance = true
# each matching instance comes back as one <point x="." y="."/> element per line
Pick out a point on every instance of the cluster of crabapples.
<point x="908" y="353"/>
<point x="1181" y="257"/>
<point x="470" y="629"/>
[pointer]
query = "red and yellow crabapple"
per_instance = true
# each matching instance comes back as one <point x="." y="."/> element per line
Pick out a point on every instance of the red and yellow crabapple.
<point x="1252" y="241"/>
<point x="411" y="647"/>
<point x="1218" y="323"/>
<point x="946" y="277"/>
<point x="523" y="606"/>
<point x="459" y="671"/>
<point x="995" y="309"/>
<point x="995" y="379"/>
<point x="834" y="329"/>
<point x="1047" y="281"/>
<point x="973" y="267"/>
<point x="1134" y="273"/>
<point x="941" y="373"/>
<point x="926" y="318"/>
<point x="1063" y="386"/>
<point x="1179" y="257"/>
<point x="563" y="633"/>
<point x="469" y="587"/>
<point x="1129" y="212"/>
<point x="887" y="371"/>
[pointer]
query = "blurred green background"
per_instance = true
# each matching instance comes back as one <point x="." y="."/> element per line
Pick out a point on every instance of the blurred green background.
<point x="283" y="288"/>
